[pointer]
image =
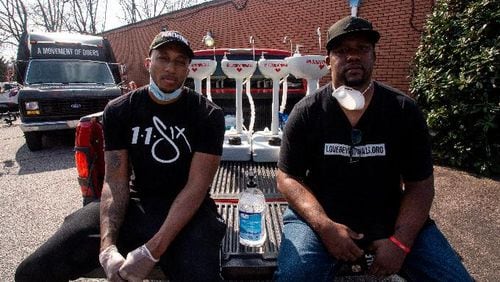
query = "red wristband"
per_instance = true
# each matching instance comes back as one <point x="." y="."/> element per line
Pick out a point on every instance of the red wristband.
<point x="400" y="245"/>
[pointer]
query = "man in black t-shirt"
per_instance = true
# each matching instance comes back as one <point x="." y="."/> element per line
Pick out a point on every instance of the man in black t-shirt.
<point x="171" y="138"/>
<point x="347" y="152"/>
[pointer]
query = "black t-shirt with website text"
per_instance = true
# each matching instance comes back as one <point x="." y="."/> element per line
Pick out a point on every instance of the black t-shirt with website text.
<point x="357" y="182"/>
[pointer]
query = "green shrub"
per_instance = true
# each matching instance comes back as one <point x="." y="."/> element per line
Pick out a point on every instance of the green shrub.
<point x="456" y="81"/>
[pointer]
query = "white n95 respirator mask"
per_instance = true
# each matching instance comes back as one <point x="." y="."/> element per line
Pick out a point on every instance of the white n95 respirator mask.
<point x="349" y="98"/>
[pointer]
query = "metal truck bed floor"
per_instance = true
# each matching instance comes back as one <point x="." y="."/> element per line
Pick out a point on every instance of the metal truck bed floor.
<point x="231" y="177"/>
<point x="240" y="262"/>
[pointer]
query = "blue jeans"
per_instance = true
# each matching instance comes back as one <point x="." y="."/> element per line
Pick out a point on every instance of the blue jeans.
<point x="303" y="256"/>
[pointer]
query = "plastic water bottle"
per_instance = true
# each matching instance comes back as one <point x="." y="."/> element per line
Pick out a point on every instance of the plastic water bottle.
<point x="230" y="121"/>
<point x="252" y="215"/>
<point x="283" y="118"/>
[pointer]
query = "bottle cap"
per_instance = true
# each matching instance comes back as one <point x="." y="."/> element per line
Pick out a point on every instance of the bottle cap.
<point x="251" y="183"/>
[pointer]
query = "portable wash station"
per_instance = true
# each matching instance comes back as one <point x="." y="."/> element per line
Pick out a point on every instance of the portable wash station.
<point x="242" y="144"/>
<point x="266" y="144"/>
<point x="237" y="142"/>
<point x="199" y="70"/>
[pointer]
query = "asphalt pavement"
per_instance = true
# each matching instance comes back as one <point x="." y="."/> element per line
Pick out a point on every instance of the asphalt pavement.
<point x="38" y="189"/>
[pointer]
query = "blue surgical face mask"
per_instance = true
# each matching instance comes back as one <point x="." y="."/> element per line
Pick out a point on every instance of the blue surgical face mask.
<point x="162" y="96"/>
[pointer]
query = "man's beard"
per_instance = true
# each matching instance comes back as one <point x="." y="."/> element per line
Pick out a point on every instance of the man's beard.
<point x="365" y="79"/>
<point x="356" y="82"/>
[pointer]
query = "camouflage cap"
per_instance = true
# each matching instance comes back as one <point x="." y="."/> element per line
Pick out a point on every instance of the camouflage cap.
<point x="350" y="25"/>
<point x="171" y="36"/>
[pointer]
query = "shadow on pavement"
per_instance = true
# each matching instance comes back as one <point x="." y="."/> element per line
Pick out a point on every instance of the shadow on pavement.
<point x="57" y="154"/>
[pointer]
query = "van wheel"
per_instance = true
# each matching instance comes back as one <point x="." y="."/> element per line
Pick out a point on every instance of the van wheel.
<point x="33" y="140"/>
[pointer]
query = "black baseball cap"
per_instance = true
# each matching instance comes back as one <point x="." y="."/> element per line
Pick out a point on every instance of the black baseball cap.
<point x="350" y="25"/>
<point x="171" y="36"/>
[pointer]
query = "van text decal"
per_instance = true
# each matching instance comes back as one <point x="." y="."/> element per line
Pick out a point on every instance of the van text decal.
<point x="54" y="51"/>
<point x="67" y="52"/>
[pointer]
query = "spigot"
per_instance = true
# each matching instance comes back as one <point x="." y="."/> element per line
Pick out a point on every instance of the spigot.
<point x="252" y="42"/>
<point x="318" y="32"/>
<point x="297" y="49"/>
<point x="285" y="39"/>
<point x="251" y="179"/>
<point x="262" y="55"/>
<point x="354" y="4"/>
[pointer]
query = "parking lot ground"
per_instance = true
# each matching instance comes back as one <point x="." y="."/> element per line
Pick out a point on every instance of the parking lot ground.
<point x="38" y="189"/>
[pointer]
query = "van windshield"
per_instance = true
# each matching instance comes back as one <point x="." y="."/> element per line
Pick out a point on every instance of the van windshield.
<point x="59" y="71"/>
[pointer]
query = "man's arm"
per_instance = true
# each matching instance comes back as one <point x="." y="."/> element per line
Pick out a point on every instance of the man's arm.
<point x="413" y="213"/>
<point x="186" y="204"/>
<point x="414" y="210"/>
<point x="338" y="238"/>
<point x="114" y="197"/>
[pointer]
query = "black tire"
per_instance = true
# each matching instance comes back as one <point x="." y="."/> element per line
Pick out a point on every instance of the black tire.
<point x="33" y="140"/>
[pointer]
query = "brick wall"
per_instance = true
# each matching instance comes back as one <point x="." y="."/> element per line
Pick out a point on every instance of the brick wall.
<point x="269" y="21"/>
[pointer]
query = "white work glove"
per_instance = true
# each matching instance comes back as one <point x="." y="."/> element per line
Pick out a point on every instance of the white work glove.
<point x="138" y="264"/>
<point x="111" y="261"/>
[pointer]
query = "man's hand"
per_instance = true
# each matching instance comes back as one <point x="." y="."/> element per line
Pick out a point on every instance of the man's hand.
<point x="338" y="240"/>
<point x="388" y="258"/>
<point x="111" y="261"/>
<point x="138" y="264"/>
